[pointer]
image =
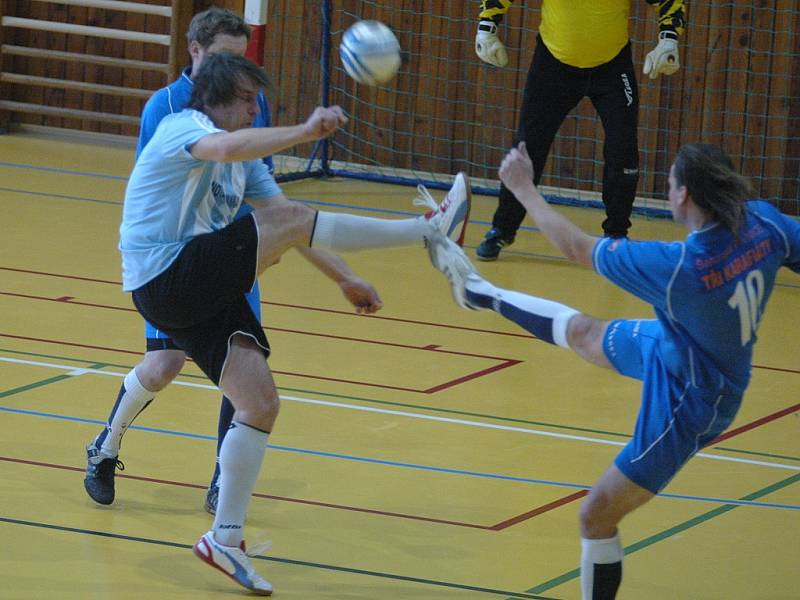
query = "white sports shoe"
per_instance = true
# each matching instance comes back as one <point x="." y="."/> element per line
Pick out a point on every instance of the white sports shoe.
<point x="448" y="258"/>
<point x="451" y="216"/>
<point x="234" y="562"/>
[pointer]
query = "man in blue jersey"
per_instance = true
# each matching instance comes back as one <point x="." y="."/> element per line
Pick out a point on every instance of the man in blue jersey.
<point x="694" y="359"/>
<point x="213" y="30"/>
<point x="188" y="262"/>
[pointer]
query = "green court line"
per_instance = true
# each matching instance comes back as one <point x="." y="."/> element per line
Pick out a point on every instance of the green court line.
<point x="415" y="406"/>
<point x="649" y="541"/>
<point x="287" y="561"/>
<point x="34" y="385"/>
<point x="43" y="382"/>
<point x="754" y="453"/>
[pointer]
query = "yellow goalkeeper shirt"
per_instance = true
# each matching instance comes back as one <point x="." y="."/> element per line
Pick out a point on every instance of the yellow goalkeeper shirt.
<point x="588" y="33"/>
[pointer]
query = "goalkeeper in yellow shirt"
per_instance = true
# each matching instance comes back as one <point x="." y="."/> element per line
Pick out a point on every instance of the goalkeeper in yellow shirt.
<point x="582" y="50"/>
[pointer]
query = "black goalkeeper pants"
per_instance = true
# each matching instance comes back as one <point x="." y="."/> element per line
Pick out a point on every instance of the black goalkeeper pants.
<point x="552" y="90"/>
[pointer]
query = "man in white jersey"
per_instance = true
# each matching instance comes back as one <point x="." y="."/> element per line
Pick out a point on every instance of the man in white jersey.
<point x="188" y="263"/>
<point x="210" y="31"/>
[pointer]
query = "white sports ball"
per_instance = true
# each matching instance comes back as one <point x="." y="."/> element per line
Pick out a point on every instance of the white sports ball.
<point x="370" y="53"/>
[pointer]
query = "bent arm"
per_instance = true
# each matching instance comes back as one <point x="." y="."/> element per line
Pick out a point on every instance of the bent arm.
<point x="248" y="144"/>
<point x="574" y="243"/>
<point x="360" y="293"/>
<point x="253" y="144"/>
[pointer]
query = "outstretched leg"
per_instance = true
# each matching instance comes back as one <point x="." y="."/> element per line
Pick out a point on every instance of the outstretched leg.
<point x="284" y="225"/>
<point x="550" y="321"/>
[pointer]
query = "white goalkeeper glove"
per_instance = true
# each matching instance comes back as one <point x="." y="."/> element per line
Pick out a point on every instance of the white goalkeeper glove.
<point x="664" y="57"/>
<point x="487" y="45"/>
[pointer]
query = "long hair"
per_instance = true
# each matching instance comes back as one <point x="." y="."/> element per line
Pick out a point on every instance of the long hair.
<point x="219" y="80"/>
<point x="713" y="183"/>
<point x="214" y="21"/>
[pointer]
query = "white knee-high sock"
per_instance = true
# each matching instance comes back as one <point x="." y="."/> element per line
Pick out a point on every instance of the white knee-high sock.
<point x="240" y="458"/>
<point x="340" y="232"/>
<point x="545" y="319"/>
<point x="133" y="398"/>
<point x="601" y="568"/>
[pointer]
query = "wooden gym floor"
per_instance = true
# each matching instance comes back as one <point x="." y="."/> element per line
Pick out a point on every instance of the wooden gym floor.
<point x="424" y="453"/>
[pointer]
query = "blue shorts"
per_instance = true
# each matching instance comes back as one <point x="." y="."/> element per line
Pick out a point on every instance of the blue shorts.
<point x="156" y="339"/>
<point x="676" y="419"/>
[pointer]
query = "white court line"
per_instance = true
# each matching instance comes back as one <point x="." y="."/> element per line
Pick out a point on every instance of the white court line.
<point x="399" y="413"/>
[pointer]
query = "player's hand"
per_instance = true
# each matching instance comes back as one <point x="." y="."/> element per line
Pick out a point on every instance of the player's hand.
<point x="488" y="46"/>
<point x="516" y="170"/>
<point x="664" y="57"/>
<point x="324" y="122"/>
<point x="362" y="295"/>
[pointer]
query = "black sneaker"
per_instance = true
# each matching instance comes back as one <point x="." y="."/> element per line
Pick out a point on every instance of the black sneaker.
<point x="212" y="496"/>
<point x="493" y="242"/>
<point x="99" y="481"/>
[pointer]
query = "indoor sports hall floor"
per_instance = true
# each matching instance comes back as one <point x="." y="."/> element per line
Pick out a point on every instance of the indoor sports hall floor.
<point x="424" y="453"/>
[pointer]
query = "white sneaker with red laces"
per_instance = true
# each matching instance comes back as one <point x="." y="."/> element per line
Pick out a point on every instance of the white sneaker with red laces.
<point x="234" y="562"/>
<point x="448" y="258"/>
<point x="451" y="216"/>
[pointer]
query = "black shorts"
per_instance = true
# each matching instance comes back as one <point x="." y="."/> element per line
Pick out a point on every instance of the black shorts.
<point x="199" y="301"/>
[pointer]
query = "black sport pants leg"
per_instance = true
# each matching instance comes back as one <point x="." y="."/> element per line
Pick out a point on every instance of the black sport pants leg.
<point x="615" y="96"/>
<point x="552" y="89"/>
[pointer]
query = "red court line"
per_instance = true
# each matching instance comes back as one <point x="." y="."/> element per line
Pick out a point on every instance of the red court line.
<point x="267" y="496"/>
<point x="73" y="344"/>
<point x="399" y="320"/>
<point x="300" y="307"/>
<point x="28" y="272"/>
<point x="503" y="363"/>
<point x="567" y="499"/>
<point x="538" y="511"/>
<point x="757" y="423"/>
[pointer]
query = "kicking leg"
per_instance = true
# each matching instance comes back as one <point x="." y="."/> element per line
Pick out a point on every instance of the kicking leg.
<point x="550" y="321"/>
<point x="283" y="225"/>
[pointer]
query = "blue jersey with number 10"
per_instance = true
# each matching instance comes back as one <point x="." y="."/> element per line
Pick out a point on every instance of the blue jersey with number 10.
<point x="709" y="292"/>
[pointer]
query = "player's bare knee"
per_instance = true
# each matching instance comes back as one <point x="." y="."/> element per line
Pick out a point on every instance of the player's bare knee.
<point x="159" y="368"/>
<point x="585" y="336"/>
<point x="302" y="219"/>
<point x="262" y="411"/>
<point x="292" y="220"/>
<point x="594" y="517"/>
<point x="272" y="403"/>
<point x="581" y="331"/>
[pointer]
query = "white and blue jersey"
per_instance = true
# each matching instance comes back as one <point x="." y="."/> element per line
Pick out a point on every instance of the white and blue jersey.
<point x="709" y="294"/>
<point x="173" y="99"/>
<point x="173" y="197"/>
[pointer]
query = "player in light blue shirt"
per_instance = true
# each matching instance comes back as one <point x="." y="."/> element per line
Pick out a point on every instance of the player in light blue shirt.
<point x="189" y="263"/>
<point x="213" y="30"/>
<point x="157" y="226"/>
<point x="709" y="294"/>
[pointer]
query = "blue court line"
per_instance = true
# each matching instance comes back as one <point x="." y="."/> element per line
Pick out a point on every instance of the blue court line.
<point x="61" y="196"/>
<point x="288" y="561"/>
<point x="507" y="252"/>
<point x="62" y="171"/>
<point x="398" y="464"/>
